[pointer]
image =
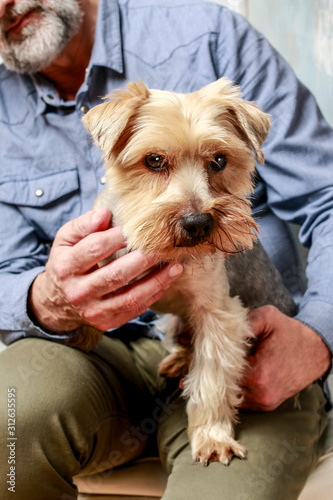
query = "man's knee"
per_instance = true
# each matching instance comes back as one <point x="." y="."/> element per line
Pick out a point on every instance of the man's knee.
<point x="49" y="381"/>
<point x="32" y="364"/>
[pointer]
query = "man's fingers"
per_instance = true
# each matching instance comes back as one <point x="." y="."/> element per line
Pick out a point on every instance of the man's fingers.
<point x="94" y="248"/>
<point x="250" y="403"/>
<point x="77" y="229"/>
<point x="260" y="319"/>
<point x="111" y="295"/>
<point x="117" y="273"/>
<point x="132" y="300"/>
<point x="144" y="292"/>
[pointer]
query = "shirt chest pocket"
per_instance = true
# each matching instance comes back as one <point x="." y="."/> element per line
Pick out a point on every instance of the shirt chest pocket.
<point x="46" y="202"/>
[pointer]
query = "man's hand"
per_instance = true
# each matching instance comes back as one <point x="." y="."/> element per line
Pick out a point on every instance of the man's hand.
<point x="289" y="356"/>
<point x="73" y="291"/>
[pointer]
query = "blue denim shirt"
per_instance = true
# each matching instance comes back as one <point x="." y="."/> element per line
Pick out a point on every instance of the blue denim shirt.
<point x="50" y="171"/>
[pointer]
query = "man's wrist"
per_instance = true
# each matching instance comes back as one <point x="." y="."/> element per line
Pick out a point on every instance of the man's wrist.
<point x="44" y="313"/>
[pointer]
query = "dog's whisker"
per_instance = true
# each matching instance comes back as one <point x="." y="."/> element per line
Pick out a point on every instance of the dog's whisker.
<point x="240" y="229"/>
<point x="226" y="233"/>
<point x="200" y="263"/>
<point x="228" y="251"/>
<point x="230" y="205"/>
<point x="221" y="243"/>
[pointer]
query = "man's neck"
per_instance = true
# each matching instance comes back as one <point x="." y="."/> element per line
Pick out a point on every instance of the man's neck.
<point x="67" y="71"/>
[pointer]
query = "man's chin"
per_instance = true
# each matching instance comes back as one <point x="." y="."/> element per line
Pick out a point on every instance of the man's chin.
<point x="31" y="43"/>
<point x="26" y="58"/>
<point x="39" y="45"/>
<point x="24" y="67"/>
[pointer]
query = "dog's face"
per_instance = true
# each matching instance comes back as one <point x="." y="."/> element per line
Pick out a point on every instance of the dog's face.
<point x="180" y="167"/>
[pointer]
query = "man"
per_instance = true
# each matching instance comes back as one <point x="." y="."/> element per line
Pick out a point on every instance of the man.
<point x="85" y="412"/>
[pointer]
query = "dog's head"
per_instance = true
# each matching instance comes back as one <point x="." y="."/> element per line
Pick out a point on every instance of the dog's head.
<point x="180" y="166"/>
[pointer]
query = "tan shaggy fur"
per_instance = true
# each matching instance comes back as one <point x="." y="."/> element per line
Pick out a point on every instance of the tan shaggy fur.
<point x="170" y="159"/>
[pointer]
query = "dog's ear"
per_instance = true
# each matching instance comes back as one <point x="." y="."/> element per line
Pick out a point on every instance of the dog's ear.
<point x="107" y="121"/>
<point x="250" y="122"/>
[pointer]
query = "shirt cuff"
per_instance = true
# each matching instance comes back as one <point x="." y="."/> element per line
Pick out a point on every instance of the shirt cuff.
<point x="25" y="327"/>
<point x="318" y="315"/>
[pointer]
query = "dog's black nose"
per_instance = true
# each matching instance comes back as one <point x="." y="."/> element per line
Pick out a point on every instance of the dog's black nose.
<point x="198" y="225"/>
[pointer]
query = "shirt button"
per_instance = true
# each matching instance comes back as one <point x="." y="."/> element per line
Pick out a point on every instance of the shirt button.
<point x="84" y="109"/>
<point x="39" y="192"/>
<point x="103" y="180"/>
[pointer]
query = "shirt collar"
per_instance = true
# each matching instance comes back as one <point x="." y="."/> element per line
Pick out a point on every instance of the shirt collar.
<point x="107" y="49"/>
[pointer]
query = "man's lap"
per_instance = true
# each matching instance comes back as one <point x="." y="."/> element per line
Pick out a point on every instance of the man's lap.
<point x="117" y="394"/>
<point x="74" y="412"/>
<point x="283" y="447"/>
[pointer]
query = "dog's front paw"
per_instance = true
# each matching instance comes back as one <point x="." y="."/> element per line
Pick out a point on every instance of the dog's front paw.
<point x="214" y="445"/>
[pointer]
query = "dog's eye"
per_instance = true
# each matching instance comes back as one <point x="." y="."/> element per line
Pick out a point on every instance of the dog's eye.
<point x="155" y="161"/>
<point x="219" y="163"/>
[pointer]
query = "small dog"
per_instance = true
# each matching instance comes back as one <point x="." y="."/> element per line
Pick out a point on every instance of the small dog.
<point x="179" y="170"/>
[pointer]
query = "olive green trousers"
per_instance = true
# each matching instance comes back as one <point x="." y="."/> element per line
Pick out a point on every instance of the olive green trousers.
<point x="64" y="413"/>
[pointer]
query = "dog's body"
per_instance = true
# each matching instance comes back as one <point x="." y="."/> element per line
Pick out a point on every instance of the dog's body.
<point x="179" y="170"/>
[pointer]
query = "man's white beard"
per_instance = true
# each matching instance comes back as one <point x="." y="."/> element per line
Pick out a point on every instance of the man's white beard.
<point x="40" y="41"/>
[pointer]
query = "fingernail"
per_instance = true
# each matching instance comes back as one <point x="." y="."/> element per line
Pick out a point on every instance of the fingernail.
<point x="97" y="215"/>
<point x="176" y="271"/>
<point x="101" y="213"/>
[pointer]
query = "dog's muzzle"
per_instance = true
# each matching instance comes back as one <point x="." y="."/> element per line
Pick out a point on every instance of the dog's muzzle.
<point x="197" y="227"/>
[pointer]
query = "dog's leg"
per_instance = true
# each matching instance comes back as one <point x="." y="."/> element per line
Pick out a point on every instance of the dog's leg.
<point x="212" y="385"/>
<point x="178" y="342"/>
